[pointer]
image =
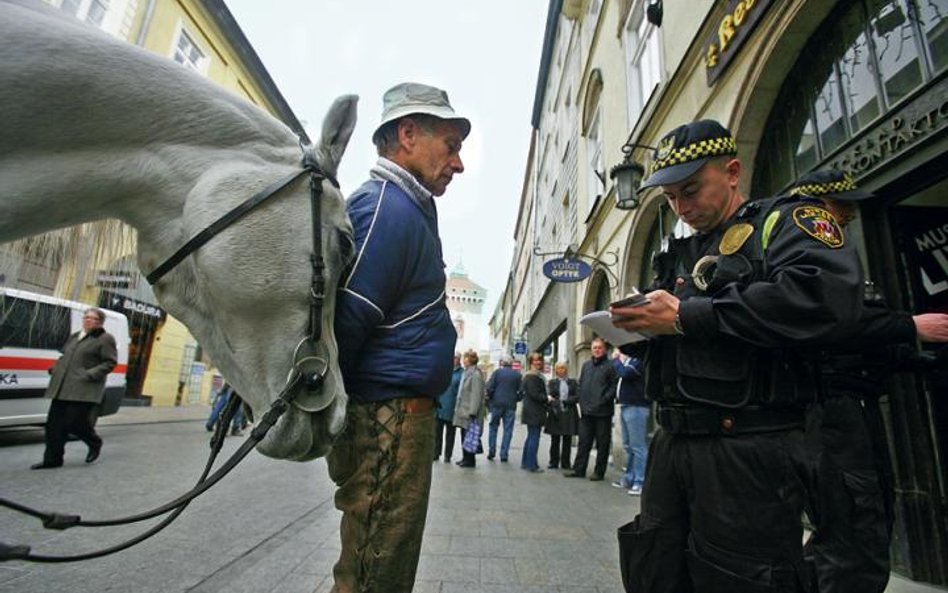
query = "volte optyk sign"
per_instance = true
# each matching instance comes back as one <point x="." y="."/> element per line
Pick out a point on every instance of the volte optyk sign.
<point x="564" y="269"/>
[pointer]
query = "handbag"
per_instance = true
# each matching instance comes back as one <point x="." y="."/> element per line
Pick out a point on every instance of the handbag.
<point x="472" y="438"/>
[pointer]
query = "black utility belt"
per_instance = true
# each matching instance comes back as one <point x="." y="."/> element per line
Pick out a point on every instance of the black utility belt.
<point x="694" y="421"/>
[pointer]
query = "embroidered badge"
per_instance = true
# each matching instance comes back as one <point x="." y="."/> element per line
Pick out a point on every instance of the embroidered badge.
<point x="819" y="224"/>
<point x="664" y="148"/>
<point x="735" y="237"/>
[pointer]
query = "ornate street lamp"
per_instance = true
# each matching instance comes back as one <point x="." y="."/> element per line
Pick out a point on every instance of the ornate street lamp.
<point x="628" y="177"/>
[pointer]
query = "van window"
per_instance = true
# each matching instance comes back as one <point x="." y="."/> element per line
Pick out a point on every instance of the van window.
<point x="28" y="324"/>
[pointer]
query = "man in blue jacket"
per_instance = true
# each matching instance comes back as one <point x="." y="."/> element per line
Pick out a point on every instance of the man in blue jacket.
<point x="395" y="340"/>
<point x="503" y="393"/>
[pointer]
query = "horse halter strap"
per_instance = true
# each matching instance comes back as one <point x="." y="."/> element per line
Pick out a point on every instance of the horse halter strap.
<point x="317" y="176"/>
<point x="279" y="406"/>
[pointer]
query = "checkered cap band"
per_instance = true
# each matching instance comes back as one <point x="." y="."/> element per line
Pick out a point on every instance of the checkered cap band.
<point x="697" y="150"/>
<point x="821" y="189"/>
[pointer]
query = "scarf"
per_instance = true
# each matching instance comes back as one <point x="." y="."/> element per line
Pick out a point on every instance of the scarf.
<point x="386" y="170"/>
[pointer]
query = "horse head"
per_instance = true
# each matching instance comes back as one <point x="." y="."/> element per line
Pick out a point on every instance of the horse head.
<point x="168" y="152"/>
<point x="246" y="293"/>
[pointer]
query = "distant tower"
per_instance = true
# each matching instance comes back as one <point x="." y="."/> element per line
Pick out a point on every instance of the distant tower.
<point x="465" y="304"/>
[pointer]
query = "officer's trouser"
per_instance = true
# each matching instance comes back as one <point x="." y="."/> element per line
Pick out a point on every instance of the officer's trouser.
<point x="382" y="465"/>
<point x="719" y="514"/>
<point x="848" y="507"/>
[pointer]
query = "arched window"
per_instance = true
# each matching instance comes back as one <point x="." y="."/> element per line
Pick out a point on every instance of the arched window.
<point x="867" y="58"/>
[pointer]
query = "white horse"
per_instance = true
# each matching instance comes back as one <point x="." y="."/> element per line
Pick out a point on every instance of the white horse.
<point x="93" y="128"/>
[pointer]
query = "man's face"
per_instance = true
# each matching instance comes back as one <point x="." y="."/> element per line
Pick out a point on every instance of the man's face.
<point x="561" y="371"/>
<point x="433" y="158"/>
<point x="707" y="198"/>
<point x="598" y="349"/>
<point x="90" y="321"/>
<point x="844" y="211"/>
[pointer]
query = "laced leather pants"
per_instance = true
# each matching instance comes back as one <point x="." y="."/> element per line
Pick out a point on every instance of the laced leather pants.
<point x="381" y="464"/>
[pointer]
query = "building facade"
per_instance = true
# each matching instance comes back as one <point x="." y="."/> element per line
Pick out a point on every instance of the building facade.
<point x="166" y="365"/>
<point x="803" y="84"/>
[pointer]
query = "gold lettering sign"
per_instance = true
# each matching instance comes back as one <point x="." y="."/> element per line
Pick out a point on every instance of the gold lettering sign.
<point x="738" y="21"/>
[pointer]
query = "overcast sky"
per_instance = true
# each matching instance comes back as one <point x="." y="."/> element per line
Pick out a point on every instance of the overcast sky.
<point x="484" y="53"/>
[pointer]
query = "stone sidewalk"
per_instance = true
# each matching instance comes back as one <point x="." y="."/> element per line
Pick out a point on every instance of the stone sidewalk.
<point x="493" y="529"/>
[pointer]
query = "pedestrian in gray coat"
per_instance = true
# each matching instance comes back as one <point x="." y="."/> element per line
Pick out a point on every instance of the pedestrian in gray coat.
<point x="76" y="386"/>
<point x="472" y="403"/>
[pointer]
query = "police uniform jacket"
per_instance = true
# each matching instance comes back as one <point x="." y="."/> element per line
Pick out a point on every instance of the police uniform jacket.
<point x="784" y="279"/>
<point x="79" y="374"/>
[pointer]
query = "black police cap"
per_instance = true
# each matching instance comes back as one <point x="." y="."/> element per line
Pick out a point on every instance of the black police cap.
<point x="686" y="149"/>
<point x="829" y="183"/>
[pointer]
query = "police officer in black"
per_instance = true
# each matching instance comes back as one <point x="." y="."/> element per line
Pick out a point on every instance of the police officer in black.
<point x="851" y="504"/>
<point x="758" y="283"/>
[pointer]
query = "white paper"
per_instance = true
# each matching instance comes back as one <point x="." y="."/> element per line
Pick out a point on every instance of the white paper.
<point x="601" y="323"/>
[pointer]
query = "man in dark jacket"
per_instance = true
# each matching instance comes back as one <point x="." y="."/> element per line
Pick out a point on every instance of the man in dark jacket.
<point x="76" y="385"/>
<point x="755" y="288"/>
<point x="395" y="341"/>
<point x="503" y="392"/>
<point x="597" y="394"/>
<point x="851" y="505"/>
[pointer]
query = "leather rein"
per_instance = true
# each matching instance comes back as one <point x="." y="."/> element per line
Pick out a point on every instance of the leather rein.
<point x="313" y="380"/>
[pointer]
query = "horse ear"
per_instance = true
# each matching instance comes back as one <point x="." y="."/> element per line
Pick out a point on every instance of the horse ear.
<point x="338" y="125"/>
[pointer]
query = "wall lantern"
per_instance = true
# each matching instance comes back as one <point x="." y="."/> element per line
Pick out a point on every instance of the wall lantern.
<point x="628" y="178"/>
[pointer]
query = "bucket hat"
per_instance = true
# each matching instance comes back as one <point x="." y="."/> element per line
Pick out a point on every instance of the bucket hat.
<point x="409" y="98"/>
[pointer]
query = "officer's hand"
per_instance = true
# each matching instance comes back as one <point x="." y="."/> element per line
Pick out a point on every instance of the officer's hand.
<point x="655" y="318"/>
<point x="931" y="327"/>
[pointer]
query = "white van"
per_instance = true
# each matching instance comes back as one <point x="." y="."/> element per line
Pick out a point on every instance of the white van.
<point x="33" y="329"/>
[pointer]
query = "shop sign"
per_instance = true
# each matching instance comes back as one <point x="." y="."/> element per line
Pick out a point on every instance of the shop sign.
<point x="566" y="270"/>
<point x="740" y="18"/>
<point x="924" y="232"/>
<point x="916" y="122"/>
<point x="130" y="306"/>
<point x="114" y="280"/>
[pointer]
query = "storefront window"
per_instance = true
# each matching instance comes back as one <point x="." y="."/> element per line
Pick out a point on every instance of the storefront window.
<point x="829" y="115"/>
<point x="867" y="57"/>
<point x="859" y="84"/>
<point x="933" y="17"/>
<point x="806" y="154"/>
<point x="896" y="49"/>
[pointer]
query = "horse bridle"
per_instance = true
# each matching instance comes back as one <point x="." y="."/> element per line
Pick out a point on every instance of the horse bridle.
<point x="312" y="380"/>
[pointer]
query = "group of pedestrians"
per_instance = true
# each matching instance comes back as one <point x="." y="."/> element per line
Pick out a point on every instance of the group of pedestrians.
<point x="562" y="407"/>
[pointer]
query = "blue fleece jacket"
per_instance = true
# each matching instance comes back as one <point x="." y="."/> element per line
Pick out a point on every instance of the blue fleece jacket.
<point x="394" y="332"/>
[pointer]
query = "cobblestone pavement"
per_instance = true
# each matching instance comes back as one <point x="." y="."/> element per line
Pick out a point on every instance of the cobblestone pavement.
<point x="272" y="527"/>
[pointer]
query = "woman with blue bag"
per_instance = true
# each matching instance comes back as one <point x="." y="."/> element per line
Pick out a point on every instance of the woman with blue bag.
<point x="471" y="408"/>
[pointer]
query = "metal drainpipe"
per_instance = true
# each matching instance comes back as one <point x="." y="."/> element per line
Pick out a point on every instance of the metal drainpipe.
<point x="146" y="23"/>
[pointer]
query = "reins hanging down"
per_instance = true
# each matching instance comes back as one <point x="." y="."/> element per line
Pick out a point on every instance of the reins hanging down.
<point x="311" y="381"/>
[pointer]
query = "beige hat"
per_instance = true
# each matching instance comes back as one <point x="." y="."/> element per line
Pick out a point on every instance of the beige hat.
<point x="408" y="98"/>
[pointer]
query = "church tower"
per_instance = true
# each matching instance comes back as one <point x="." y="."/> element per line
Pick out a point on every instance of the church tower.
<point x="465" y="304"/>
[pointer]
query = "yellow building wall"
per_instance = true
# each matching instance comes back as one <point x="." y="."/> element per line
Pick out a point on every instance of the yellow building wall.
<point x="223" y="67"/>
<point x="164" y="366"/>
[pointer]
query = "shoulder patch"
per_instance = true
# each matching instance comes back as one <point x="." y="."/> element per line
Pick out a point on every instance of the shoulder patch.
<point x="820" y="224"/>
<point x="735" y="237"/>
